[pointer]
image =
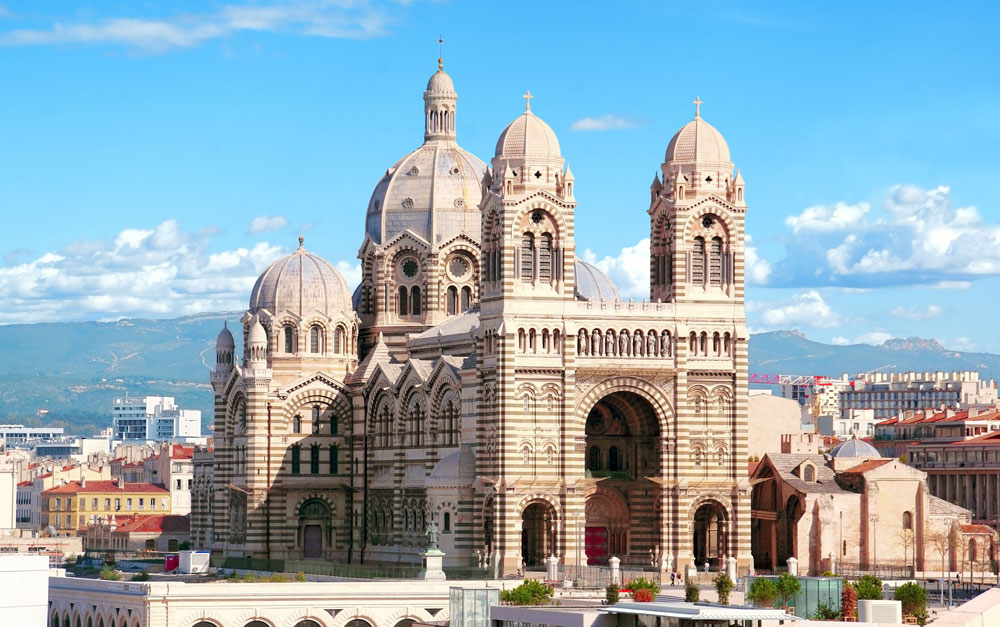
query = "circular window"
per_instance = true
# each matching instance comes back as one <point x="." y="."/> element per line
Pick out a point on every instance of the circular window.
<point x="706" y="222"/>
<point x="537" y="217"/>
<point x="458" y="267"/>
<point x="410" y="268"/>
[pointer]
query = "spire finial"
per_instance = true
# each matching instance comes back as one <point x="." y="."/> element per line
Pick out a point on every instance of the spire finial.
<point x="440" y="42"/>
<point x="697" y="107"/>
<point x="527" y="100"/>
<point x="302" y="240"/>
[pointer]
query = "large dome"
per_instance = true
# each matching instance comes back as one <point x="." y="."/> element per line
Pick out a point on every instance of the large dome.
<point x="301" y="283"/>
<point x="698" y="142"/>
<point x="434" y="191"/>
<point x="528" y="136"/>
<point x="854" y="448"/>
<point x="592" y="284"/>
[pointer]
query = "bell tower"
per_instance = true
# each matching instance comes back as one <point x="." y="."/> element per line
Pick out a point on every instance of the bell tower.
<point x="697" y="219"/>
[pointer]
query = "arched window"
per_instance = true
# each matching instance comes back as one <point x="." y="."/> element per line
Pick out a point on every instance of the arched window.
<point x="693" y="342"/>
<point x="334" y="459"/>
<point x="466" y="298"/>
<point x="289" y="340"/>
<point x="716" y="344"/>
<point x="528" y="258"/>
<point x="715" y="263"/>
<point x="703" y="349"/>
<point x="297" y="424"/>
<point x="447" y="522"/>
<point x="698" y="261"/>
<point x="907" y="520"/>
<point x="809" y="474"/>
<point x="314" y="459"/>
<point x="451" y="302"/>
<point x="415" y="301"/>
<point x="594" y="458"/>
<point x="404" y="302"/>
<point x="315" y="419"/>
<point x="314" y="339"/>
<point x="545" y="258"/>
<point x="525" y="453"/>
<point x="614" y="463"/>
<point x="338" y="341"/>
<point x="296" y="459"/>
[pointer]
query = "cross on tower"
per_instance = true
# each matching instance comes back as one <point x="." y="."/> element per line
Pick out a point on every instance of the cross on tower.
<point x="440" y="42"/>
<point x="527" y="100"/>
<point x="697" y="107"/>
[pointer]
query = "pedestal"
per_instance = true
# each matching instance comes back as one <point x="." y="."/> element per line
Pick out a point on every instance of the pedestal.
<point x="731" y="568"/>
<point x="793" y="567"/>
<point x="616" y="573"/>
<point x="433" y="571"/>
<point x="551" y="568"/>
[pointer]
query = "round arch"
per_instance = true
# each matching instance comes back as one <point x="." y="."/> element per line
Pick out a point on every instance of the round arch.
<point x="539" y="531"/>
<point x="710" y="533"/>
<point x="649" y="392"/>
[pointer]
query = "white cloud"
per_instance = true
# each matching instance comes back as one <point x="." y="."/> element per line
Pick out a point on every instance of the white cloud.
<point x="757" y="270"/>
<point x="917" y="238"/>
<point x="315" y="18"/>
<point x="961" y="343"/>
<point x="264" y="223"/>
<point x="629" y="269"/>
<point x="804" y="309"/>
<point x="608" y="122"/>
<point x="840" y="340"/>
<point x="917" y="313"/>
<point x="138" y="272"/>
<point x="351" y="272"/>
<point x="875" y="338"/>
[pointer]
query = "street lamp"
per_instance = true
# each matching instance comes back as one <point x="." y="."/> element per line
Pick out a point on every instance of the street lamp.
<point x="873" y="519"/>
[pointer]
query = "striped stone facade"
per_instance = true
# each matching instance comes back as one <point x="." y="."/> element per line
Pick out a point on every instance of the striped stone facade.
<point x="549" y="417"/>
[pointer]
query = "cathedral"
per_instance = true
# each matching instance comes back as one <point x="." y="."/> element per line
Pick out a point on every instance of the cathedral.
<point x="483" y="378"/>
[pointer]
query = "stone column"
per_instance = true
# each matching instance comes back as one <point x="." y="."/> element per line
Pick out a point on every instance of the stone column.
<point x="616" y="575"/>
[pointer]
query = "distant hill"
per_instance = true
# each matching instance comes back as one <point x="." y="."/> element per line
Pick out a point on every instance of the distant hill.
<point x="67" y="373"/>
<point x="789" y="352"/>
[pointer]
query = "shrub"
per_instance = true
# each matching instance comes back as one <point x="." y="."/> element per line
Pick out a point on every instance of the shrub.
<point x="869" y="587"/>
<point x="300" y="576"/>
<point x="644" y="584"/>
<point x="763" y="592"/>
<point x="912" y="597"/>
<point x="723" y="586"/>
<point x="109" y="574"/>
<point x="142" y="576"/>
<point x="691" y="592"/>
<point x="643" y="595"/>
<point x="184" y="546"/>
<point x="829" y="573"/>
<point x="788" y="587"/>
<point x="825" y="612"/>
<point x="611" y="593"/>
<point x="848" y="601"/>
<point x="531" y="592"/>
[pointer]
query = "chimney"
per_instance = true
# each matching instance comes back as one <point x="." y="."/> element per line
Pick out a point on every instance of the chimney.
<point x="83" y="482"/>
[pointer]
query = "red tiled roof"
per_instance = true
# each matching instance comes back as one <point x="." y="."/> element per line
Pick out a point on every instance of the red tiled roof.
<point x="976" y="529"/>
<point x="74" y="487"/>
<point x="179" y="451"/>
<point x="25" y="483"/>
<point x="156" y="524"/>
<point x="864" y="467"/>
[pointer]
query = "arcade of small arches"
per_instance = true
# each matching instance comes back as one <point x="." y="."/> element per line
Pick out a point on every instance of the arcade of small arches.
<point x="714" y="345"/>
<point x="312" y="338"/>
<point x="97" y="619"/>
<point x="412" y="428"/>
<point x="533" y="341"/>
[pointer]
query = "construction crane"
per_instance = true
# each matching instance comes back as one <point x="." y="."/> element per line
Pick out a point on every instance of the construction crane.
<point x="788" y="379"/>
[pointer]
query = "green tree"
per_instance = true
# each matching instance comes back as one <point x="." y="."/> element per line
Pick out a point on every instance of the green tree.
<point x="825" y="612"/>
<point x="788" y="587"/>
<point x="611" y="593"/>
<point x="691" y="592"/>
<point x="869" y="587"/>
<point x="763" y="592"/>
<point x="531" y="592"/>
<point x="109" y="574"/>
<point x="912" y="597"/>
<point x="723" y="586"/>
<point x="644" y="584"/>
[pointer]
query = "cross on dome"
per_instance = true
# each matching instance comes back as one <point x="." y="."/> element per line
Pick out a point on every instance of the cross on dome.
<point x="527" y="100"/>
<point x="697" y="106"/>
<point x="440" y="42"/>
<point x="302" y="241"/>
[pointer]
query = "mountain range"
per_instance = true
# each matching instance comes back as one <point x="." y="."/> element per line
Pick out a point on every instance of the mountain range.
<point x="68" y="373"/>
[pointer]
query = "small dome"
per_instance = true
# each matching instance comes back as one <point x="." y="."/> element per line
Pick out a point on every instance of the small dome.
<point x="854" y="448"/>
<point x="592" y="284"/>
<point x="225" y="339"/>
<point x="698" y="142"/>
<point x="440" y="83"/>
<point x="301" y="283"/>
<point x="528" y="136"/>
<point x="257" y="333"/>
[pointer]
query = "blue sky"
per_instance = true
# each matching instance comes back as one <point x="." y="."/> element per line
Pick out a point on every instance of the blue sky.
<point x="155" y="156"/>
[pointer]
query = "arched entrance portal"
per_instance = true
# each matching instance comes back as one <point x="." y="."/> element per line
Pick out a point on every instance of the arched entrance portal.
<point x="622" y="431"/>
<point x="710" y="534"/>
<point x="314" y="523"/>
<point x="538" y="533"/>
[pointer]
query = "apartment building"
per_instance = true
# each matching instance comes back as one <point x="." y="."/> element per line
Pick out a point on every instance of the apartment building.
<point x="70" y="507"/>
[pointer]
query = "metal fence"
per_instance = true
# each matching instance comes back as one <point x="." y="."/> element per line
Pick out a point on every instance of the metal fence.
<point x="347" y="571"/>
